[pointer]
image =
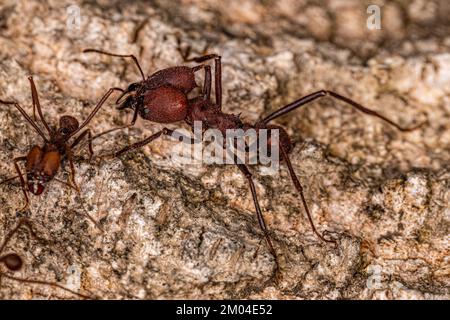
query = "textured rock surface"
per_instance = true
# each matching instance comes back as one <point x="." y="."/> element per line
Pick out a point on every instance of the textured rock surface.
<point x="174" y="231"/>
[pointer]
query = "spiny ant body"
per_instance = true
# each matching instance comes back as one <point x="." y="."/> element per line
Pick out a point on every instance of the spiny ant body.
<point x="162" y="98"/>
<point x="43" y="162"/>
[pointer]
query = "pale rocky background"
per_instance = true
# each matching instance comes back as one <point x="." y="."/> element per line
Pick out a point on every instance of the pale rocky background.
<point x="190" y="231"/>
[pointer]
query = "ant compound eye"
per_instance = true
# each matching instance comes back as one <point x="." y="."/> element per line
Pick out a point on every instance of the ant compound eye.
<point x="64" y="131"/>
<point x="12" y="261"/>
<point x="132" y="87"/>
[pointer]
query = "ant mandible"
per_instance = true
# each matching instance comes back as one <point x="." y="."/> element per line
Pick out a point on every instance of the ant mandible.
<point x="42" y="163"/>
<point x="14" y="263"/>
<point x="162" y="98"/>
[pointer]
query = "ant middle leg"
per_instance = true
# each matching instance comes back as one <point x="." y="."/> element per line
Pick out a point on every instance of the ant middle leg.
<point x="72" y="169"/>
<point x="322" y="93"/>
<point x="262" y="224"/>
<point x="85" y="133"/>
<point x="299" y="188"/>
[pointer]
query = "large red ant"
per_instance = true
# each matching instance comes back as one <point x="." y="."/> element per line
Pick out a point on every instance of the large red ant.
<point x="14" y="263"/>
<point x="162" y="98"/>
<point x="42" y="163"/>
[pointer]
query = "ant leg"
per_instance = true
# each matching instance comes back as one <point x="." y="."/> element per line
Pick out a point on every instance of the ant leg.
<point x="36" y="104"/>
<point x="26" y="223"/>
<point x="142" y="143"/>
<point x="262" y="224"/>
<point x="146" y="141"/>
<point x="8" y="179"/>
<point x="207" y="81"/>
<point x="22" y="182"/>
<point x="217" y="74"/>
<point x="218" y="80"/>
<point x="13" y="231"/>
<point x="120" y="56"/>
<point x="200" y="59"/>
<point x="93" y="112"/>
<point x="133" y="121"/>
<point x="27" y="117"/>
<point x="80" y="137"/>
<point x="72" y="168"/>
<point x="65" y="183"/>
<point x="299" y="188"/>
<point x="207" y="84"/>
<point x="322" y="93"/>
<point x="51" y="284"/>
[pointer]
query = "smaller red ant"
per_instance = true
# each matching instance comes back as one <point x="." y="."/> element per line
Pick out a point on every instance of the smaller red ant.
<point x="42" y="163"/>
<point x="14" y="263"/>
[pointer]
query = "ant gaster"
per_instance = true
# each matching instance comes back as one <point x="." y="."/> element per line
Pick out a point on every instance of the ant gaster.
<point x="42" y="163"/>
<point x="14" y="263"/>
<point x="162" y="98"/>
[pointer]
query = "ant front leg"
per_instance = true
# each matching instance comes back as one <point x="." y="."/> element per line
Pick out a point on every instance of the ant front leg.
<point x="93" y="112"/>
<point x="144" y="142"/>
<point x="136" y="62"/>
<point x="36" y="104"/>
<point x="322" y="93"/>
<point x="217" y="69"/>
<point x="27" y="118"/>
<point x="22" y="183"/>
<point x="133" y="121"/>
<point x="207" y="81"/>
<point x="217" y="74"/>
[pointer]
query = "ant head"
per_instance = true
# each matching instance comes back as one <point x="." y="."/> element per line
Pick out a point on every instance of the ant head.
<point x="133" y="87"/>
<point x="36" y="185"/>
<point x="67" y="125"/>
<point x="12" y="261"/>
<point x="130" y="93"/>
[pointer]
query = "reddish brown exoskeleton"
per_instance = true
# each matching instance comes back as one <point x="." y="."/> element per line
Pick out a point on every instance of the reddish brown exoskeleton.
<point x="43" y="162"/>
<point x="162" y="98"/>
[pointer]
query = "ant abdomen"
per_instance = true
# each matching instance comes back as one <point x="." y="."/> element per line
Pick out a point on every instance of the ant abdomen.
<point x="164" y="104"/>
